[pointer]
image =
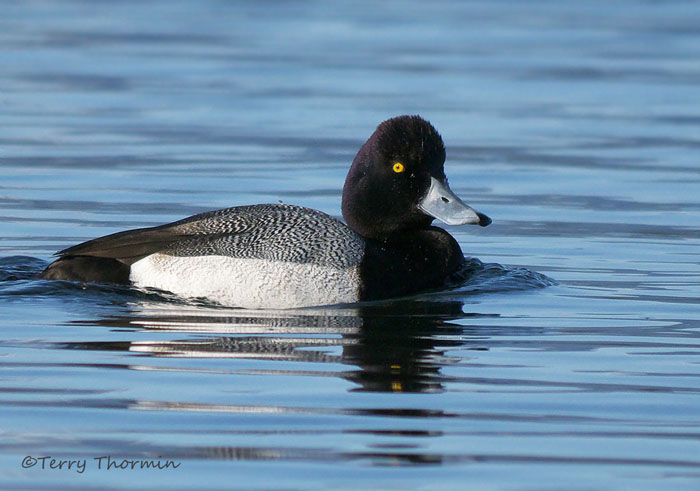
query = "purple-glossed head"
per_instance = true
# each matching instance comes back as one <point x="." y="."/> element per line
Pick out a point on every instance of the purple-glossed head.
<point x="397" y="182"/>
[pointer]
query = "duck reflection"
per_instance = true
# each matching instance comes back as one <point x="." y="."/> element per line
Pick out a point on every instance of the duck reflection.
<point x="397" y="346"/>
<point x="402" y="349"/>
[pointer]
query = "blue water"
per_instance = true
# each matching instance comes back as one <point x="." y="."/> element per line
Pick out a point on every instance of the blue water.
<point x="569" y="359"/>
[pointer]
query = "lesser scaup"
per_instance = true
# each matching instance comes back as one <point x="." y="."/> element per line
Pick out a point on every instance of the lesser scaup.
<point x="283" y="256"/>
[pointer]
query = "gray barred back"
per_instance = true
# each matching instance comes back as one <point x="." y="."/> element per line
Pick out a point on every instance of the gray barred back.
<point x="273" y="232"/>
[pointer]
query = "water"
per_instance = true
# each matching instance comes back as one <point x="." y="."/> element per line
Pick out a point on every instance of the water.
<point x="575" y="127"/>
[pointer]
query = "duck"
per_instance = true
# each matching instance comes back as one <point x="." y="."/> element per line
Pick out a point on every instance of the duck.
<point x="279" y="256"/>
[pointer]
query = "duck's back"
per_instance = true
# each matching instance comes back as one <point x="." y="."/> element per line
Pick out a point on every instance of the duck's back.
<point x="273" y="256"/>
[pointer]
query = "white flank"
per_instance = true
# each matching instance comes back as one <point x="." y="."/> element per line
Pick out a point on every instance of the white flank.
<point x="248" y="283"/>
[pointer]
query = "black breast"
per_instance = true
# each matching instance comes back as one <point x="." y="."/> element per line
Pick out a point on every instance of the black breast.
<point x="408" y="262"/>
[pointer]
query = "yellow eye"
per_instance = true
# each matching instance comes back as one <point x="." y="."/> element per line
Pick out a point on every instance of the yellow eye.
<point x="398" y="167"/>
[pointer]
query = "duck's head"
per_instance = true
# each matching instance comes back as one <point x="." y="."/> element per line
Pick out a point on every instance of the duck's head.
<point x="397" y="182"/>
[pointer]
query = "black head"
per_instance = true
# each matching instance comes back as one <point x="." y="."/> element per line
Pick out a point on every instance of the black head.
<point x="397" y="181"/>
